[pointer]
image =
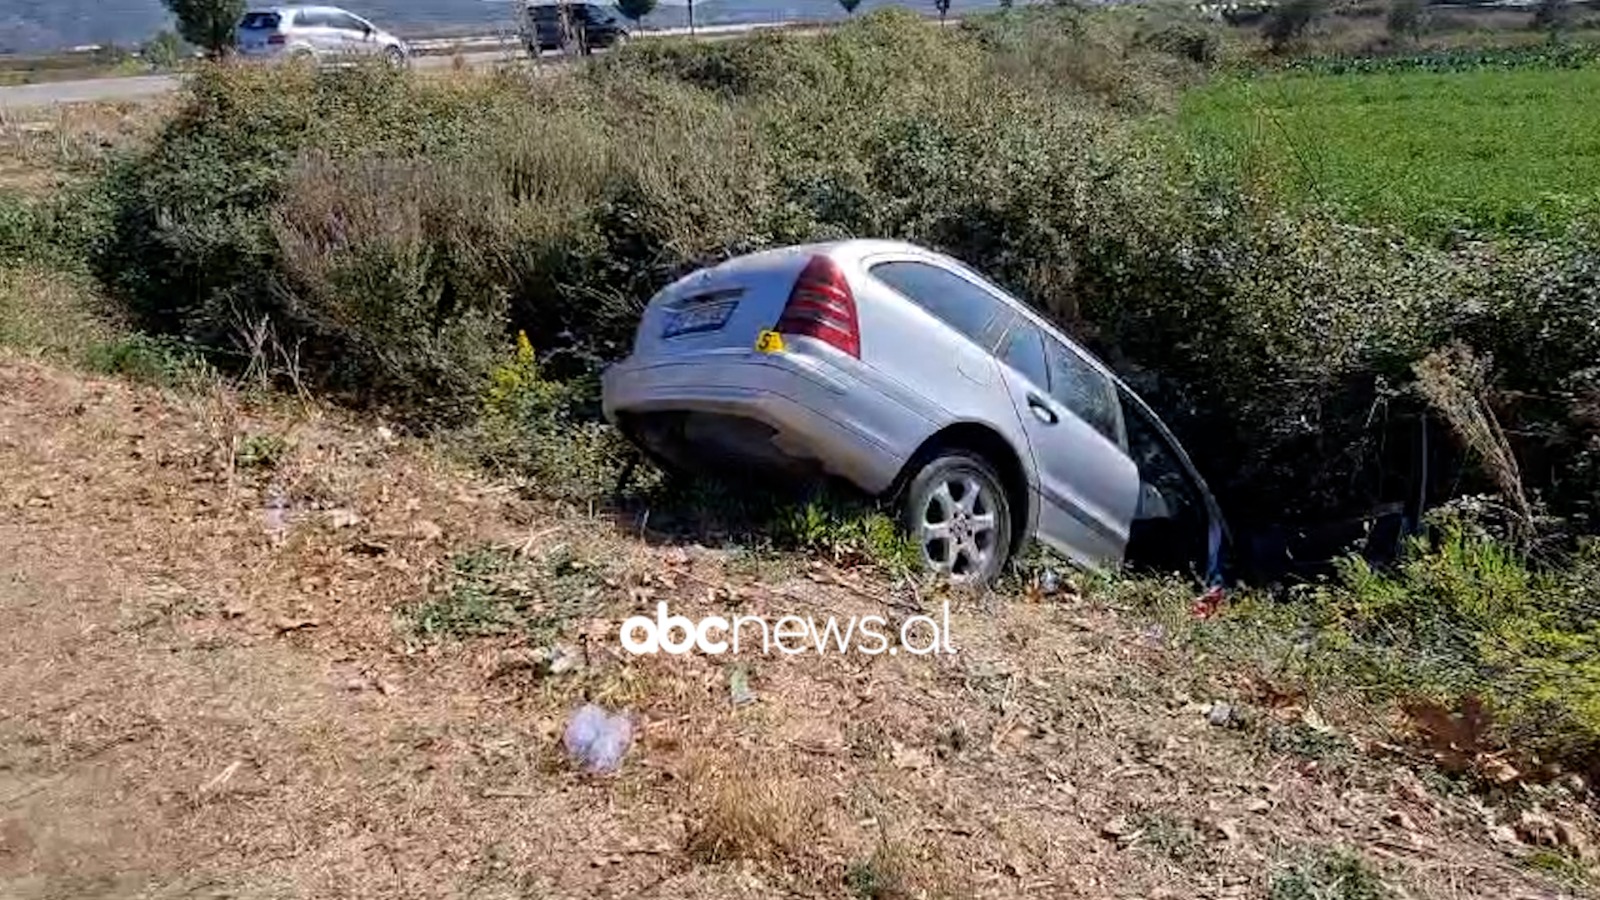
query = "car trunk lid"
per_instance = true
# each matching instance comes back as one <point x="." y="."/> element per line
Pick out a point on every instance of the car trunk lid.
<point x="723" y="308"/>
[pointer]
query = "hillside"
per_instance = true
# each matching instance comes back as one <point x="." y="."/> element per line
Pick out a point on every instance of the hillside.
<point x="200" y="702"/>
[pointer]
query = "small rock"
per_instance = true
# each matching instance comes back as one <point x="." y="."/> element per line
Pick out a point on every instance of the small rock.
<point x="425" y="530"/>
<point x="1399" y="819"/>
<point x="1222" y="715"/>
<point x="1575" y="840"/>
<point x="286" y="625"/>
<point x="1259" y="806"/>
<point x="1574" y="784"/>
<point x="1502" y="834"/>
<point x="1227" y="830"/>
<point x="905" y="757"/>
<point x="1118" y="827"/>
<point x="521" y="659"/>
<point x="385" y="433"/>
<point x="1537" y="828"/>
<point x="564" y="658"/>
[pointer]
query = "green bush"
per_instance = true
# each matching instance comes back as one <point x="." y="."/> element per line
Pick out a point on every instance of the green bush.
<point x="547" y="432"/>
<point x="18" y="229"/>
<point x="152" y="360"/>
<point x="1466" y="617"/>
<point x="62" y="230"/>
<point x="1328" y="875"/>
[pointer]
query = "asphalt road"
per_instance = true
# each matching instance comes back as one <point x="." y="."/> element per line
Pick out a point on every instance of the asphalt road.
<point x="143" y="87"/>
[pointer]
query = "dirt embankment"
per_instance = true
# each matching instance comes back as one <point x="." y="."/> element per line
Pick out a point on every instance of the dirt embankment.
<point x="209" y="689"/>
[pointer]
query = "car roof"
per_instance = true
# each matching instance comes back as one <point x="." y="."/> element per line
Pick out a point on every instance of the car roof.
<point x="297" y="7"/>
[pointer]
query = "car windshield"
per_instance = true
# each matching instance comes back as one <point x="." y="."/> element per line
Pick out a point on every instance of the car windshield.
<point x="259" y="21"/>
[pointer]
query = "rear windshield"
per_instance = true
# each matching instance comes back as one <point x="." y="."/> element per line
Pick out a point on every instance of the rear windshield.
<point x="259" y="21"/>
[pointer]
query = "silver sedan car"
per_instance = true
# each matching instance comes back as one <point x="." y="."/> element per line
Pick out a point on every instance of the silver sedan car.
<point x="915" y="378"/>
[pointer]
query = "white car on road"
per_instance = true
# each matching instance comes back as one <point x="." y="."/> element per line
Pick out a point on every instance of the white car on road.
<point x="320" y="34"/>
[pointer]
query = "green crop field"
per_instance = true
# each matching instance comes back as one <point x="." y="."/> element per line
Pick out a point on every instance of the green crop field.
<point x="1491" y="149"/>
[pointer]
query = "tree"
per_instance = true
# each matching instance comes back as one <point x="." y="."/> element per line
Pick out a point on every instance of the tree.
<point x="1004" y="4"/>
<point x="1405" y="19"/>
<point x="1289" y="21"/>
<point x="1552" y="16"/>
<point x="636" y="9"/>
<point x="943" y="6"/>
<point x="850" y="5"/>
<point x="164" y="51"/>
<point x="207" y="23"/>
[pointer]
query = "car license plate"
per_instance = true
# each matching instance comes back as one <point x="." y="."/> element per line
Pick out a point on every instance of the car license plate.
<point x="700" y="317"/>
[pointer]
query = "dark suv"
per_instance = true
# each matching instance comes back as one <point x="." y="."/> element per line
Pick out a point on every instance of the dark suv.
<point x="587" y="26"/>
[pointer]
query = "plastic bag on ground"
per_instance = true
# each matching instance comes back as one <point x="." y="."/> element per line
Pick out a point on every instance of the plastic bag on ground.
<point x="596" y="740"/>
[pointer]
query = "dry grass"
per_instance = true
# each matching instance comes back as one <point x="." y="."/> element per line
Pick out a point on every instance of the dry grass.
<point x="749" y="809"/>
<point x="1455" y="383"/>
<point x="42" y="148"/>
<point x="201" y="700"/>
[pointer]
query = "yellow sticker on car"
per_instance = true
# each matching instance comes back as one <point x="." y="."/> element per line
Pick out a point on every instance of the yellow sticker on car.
<point x="769" y="341"/>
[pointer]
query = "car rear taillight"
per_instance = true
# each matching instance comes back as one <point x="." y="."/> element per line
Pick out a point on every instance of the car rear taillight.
<point x="821" y="306"/>
<point x="275" y="38"/>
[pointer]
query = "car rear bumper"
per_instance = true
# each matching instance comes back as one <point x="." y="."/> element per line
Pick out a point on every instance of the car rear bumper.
<point x="816" y="411"/>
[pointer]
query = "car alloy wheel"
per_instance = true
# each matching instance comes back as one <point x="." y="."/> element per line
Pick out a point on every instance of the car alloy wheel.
<point x="959" y="517"/>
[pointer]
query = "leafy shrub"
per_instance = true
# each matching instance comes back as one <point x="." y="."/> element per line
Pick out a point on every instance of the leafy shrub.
<point x="18" y="229"/>
<point x="1328" y="875"/>
<point x="61" y="230"/>
<point x="153" y="360"/>
<point x="1188" y="40"/>
<point x="164" y="51"/>
<point x="844" y="532"/>
<point x="1467" y="618"/>
<point x="547" y="432"/>
<point x="1453" y="59"/>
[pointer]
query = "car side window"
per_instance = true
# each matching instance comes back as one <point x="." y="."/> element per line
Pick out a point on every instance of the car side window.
<point x="1082" y="388"/>
<point x="343" y="22"/>
<point x="950" y="298"/>
<point x="1023" y="349"/>
<point x="311" y="18"/>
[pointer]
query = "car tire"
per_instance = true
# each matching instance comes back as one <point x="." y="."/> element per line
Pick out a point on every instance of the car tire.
<point x="959" y="517"/>
<point x="395" y="57"/>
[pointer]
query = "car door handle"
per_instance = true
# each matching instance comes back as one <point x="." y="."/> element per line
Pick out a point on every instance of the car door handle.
<point x="1041" y="409"/>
